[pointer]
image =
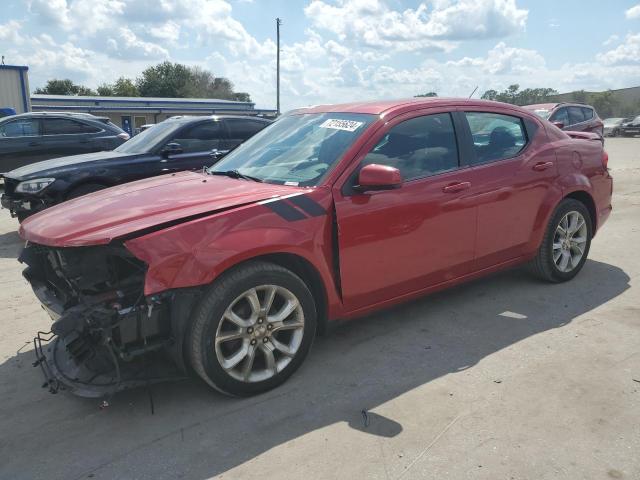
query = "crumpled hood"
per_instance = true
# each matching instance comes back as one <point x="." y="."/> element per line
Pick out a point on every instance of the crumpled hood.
<point x="47" y="167"/>
<point x="120" y="211"/>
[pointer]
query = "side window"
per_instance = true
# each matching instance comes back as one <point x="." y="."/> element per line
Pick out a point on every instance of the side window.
<point x="575" y="115"/>
<point x="242" y="129"/>
<point x="29" y="127"/>
<point x="587" y="112"/>
<point x="562" y="116"/>
<point x="202" y="137"/>
<point x="62" y="126"/>
<point x="419" y="147"/>
<point x="495" y="136"/>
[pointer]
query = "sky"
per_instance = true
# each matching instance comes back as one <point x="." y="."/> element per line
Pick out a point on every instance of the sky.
<point x="333" y="51"/>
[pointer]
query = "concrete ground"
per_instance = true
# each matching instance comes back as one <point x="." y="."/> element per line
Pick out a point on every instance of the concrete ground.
<point x="503" y="378"/>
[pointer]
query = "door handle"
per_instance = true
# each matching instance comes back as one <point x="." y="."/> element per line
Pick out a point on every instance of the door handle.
<point x="538" y="167"/>
<point x="456" y="187"/>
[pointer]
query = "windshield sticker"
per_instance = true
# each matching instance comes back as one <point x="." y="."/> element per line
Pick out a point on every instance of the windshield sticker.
<point x="346" y="125"/>
<point x="291" y="184"/>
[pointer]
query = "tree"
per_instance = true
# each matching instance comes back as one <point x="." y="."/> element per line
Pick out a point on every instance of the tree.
<point x="122" y="87"/>
<point x="605" y="103"/>
<point x="580" y="96"/>
<point x="428" y="94"/>
<point x="165" y="80"/>
<point x="63" y="87"/>
<point x="515" y="96"/>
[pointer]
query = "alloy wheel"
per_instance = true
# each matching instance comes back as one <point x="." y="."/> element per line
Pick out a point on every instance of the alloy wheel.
<point x="260" y="333"/>
<point x="569" y="241"/>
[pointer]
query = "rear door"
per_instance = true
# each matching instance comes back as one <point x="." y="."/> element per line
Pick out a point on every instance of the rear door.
<point x="400" y="241"/>
<point x="576" y="120"/>
<point x="66" y="136"/>
<point x="511" y="174"/>
<point x="21" y="143"/>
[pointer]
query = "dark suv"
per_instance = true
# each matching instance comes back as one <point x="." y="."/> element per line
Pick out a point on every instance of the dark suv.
<point x="575" y="117"/>
<point x="32" y="137"/>
<point x="178" y="143"/>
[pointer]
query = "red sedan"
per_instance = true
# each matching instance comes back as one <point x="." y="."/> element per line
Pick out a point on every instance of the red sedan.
<point x="331" y="212"/>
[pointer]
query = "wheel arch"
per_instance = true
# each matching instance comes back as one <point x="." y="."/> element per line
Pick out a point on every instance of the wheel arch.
<point x="304" y="269"/>
<point x="587" y="200"/>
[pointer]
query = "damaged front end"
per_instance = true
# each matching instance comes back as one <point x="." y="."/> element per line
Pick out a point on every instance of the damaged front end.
<point x="106" y="335"/>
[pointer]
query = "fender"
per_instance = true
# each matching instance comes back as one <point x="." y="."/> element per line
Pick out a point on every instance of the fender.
<point x="195" y="253"/>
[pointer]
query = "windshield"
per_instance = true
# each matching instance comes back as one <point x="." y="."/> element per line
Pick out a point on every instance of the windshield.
<point x="149" y="139"/>
<point x="296" y="150"/>
<point x="612" y="121"/>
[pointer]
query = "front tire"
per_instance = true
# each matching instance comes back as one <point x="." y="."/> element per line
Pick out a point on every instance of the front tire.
<point x="252" y="329"/>
<point x="566" y="243"/>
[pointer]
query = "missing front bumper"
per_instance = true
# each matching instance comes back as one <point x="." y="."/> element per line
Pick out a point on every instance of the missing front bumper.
<point x="62" y="371"/>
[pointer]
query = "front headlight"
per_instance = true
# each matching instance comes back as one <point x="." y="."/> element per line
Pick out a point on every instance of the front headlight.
<point x="34" y="186"/>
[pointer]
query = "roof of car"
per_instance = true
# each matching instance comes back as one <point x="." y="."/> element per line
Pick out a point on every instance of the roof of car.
<point x="386" y="106"/>
<point x="87" y="116"/>
<point x="193" y="118"/>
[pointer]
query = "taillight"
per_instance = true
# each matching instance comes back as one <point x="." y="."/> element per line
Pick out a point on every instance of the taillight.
<point x="124" y="136"/>
<point x="605" y="159"/>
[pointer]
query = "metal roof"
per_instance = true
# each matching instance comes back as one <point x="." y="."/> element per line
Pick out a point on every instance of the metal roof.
<point x="138" y="100"/>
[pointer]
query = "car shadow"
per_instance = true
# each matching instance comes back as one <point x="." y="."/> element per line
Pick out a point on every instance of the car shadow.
<point x="357" y="366"/>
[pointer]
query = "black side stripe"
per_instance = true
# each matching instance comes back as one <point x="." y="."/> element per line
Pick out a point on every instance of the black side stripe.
<point x="285" y="210"/>
<point x="309" y="205"/>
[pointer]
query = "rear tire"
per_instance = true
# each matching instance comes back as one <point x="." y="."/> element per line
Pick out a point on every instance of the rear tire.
<point x="85" y="189"/>
<point x="252" y="329"/>
<point x="565" y="244"/>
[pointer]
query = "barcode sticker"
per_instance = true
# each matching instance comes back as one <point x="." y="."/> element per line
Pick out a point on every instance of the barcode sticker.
<point x="346" y="125"/>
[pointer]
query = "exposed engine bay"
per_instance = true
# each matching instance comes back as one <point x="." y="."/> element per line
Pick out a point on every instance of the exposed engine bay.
<point x="106" y="336"/>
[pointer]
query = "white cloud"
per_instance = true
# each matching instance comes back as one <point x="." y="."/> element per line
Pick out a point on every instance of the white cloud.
<point x="611" y="40"/>
<point x="10" y="32"/>
<point x="624" y="54"/>
<point x="128" y="45"/>
<point x="633" y="12"/>
<point x="371" y="23"/>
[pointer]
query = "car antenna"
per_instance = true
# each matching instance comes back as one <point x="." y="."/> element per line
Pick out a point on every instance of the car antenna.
<point x="474" y="91"/>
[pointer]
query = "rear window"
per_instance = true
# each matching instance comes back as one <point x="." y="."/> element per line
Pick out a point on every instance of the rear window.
<point x="587" y="112"/>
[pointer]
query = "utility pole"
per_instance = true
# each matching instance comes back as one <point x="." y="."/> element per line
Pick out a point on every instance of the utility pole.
<point x="278" y="23"/>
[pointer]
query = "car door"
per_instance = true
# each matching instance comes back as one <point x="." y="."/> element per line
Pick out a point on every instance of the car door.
<point x="576" y="119"/>
<point x="65" y="136"/>
<point x="511" y="177"/>
<point x="395" y="242"/>
<point x="20" y="143"/>
<point x="201" y="145"/>
<point x="241" y="129"/>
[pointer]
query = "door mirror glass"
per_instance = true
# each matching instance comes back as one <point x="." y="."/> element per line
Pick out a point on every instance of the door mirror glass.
<point x="378" y="177"/>
<point x="171" y="149"/>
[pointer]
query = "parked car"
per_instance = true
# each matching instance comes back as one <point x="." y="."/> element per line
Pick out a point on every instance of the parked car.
<point x="611" y="126"/>
<point x="574" y="117"/>
<point x="333" y="211"/>
<point x="182" y="143"/>
<point x="631" y="128"/>
<point x="31" y="137"/>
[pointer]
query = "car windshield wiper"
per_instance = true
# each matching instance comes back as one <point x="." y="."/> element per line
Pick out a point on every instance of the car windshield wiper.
<point x="234" y="174"/>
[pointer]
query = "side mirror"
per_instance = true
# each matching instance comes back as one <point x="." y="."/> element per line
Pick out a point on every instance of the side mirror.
<point x="171" y="149"/>
<point x="560" y="125"/>
<point x="378" y="177"/>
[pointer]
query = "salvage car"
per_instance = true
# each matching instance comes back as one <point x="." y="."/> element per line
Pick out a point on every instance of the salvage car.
<point x="574" y="117"/>
<point x="31" y="137"/>
<point x="331" y="212"/>
<point x="178" y="143"/>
